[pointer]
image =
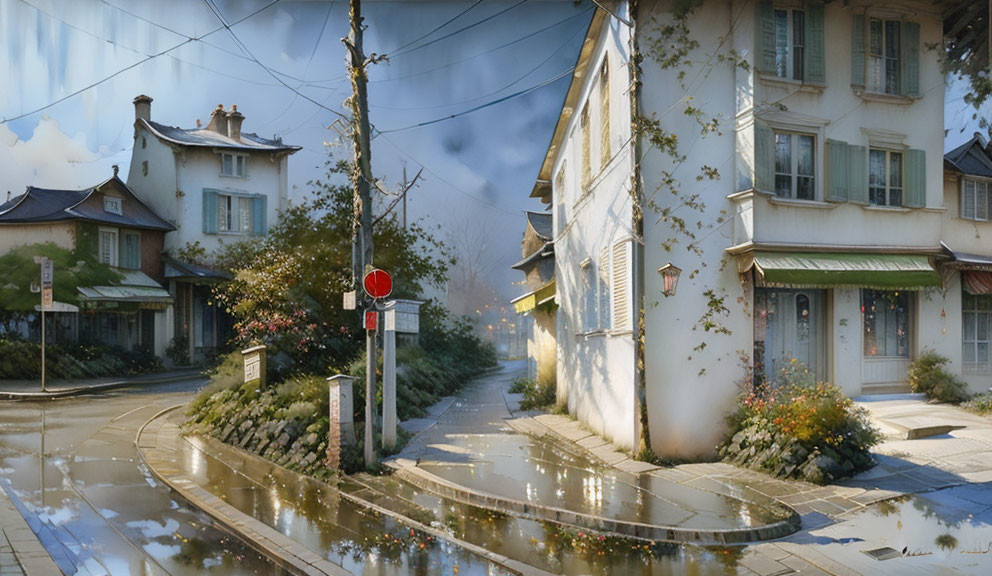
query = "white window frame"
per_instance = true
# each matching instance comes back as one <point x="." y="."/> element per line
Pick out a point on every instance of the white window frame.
<point x="972" y="212"/>
<point x="114" y="245"/>
<point x="972" y="340"/>
<point x="230" y="213"/>
<point x="789" y="56"/>
<point x="878" y="83"/>
<point x="888" y="176"/>
<point x="236" y="160"/>
<point x="794" y="163"/>
<point x="113" y="205"/>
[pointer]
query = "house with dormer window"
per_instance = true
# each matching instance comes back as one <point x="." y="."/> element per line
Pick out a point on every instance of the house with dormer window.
<point x="817" y="213"/>
<point x="217" y="184"/>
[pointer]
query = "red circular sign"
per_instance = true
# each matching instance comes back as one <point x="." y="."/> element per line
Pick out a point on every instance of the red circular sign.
<point x="378" y="283"/>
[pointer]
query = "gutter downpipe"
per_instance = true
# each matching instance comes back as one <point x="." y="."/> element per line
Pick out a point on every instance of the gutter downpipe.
<point x="642" y="432"/>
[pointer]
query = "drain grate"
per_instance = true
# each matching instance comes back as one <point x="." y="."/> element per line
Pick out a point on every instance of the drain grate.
<point x="884" y="553"/>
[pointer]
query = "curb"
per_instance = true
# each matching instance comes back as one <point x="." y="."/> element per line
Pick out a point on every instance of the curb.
<point x="510" y="564"/>
<point x="30" y="555"/>
<point x="80" y="390"/>
<point x="264" y="539"/>
<point x="437" y="485"/>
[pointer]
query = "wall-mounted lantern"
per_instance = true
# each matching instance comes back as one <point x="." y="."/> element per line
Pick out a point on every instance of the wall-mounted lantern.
<point x="670" y="276"/>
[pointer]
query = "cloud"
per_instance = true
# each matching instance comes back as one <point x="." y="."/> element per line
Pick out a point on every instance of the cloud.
<point x="49" y="159"/>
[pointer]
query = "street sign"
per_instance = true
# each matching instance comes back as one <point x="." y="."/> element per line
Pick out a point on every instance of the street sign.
<point x="47" y="271"/>
<point x="378" y="283"/>
<point x="371" y="320"/>
<point x="46" y="298"/>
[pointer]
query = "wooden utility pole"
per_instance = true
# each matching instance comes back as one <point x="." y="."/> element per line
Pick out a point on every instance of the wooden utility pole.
<point x="361" y="177"/>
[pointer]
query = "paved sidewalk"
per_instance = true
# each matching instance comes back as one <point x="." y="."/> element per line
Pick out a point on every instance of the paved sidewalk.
<point x="31" y="389"/>
<point x="21" y="553"/>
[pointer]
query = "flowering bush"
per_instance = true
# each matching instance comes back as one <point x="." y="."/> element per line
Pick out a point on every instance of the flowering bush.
<point x="927" y="375"/>
<point x="980" y="404"/>
<point x="795" y="427"/>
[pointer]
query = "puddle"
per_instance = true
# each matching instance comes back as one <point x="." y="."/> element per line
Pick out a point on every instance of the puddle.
<point x="540" y="471"/>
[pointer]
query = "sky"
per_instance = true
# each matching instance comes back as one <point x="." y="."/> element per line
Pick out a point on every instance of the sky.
<point x="72" y="67"/>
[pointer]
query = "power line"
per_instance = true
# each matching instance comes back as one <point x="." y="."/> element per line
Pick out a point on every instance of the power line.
<point x="497" y="91"/>
<point x="523" y="92"/>
<point x="125" y="69"/>
<point x="421" y="37"/>
<point x="450" y="185"/>
<point x="485" y="52"/>
<point x="248" y="53"/>
<point x="459" y="31"/>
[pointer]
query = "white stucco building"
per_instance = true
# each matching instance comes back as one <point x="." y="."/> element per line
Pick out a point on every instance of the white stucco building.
<point x="811" y="191"/>
<point x="217" y="184"/>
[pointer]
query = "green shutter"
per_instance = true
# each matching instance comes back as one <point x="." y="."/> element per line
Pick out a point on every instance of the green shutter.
<point x="258" y="215"/>
<point x="909" y="79"/>
<point x="838" y="170"/>
<point x="764" y="37"/>
<point x="915" y="195"/>
<point x="209" y="212"/>
<point x="858" y="50"/>
<point x="815" y="66"/>
<point x="857" y="176"/>
<point x="764" y="158"/>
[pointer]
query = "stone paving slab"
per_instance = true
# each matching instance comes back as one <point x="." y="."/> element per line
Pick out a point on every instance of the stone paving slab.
<point x="21" y="553"/>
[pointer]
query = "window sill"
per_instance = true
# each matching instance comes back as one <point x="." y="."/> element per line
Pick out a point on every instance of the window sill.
<point x="797" y="203"/>
<point x="798" y="85"/>
<point x="876" y="208"/>
<point x="973" y="220"/>
<point x="591" y="334"/>
<point x="619" y="333"/>
<point x="882" y="98"/>
<point x="233" y="176"/>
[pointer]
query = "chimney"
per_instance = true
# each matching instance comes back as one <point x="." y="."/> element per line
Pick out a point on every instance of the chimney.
<point x="142" y="108"/>
<point x="116" y="169"/>
<point x="218" y="120"/>
<point x="234" y="120"/>
<point x="198" y="123"/>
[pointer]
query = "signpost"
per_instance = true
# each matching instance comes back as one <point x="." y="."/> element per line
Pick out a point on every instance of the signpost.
<point x="378" y="284"/>
<point x="47" y="302"/>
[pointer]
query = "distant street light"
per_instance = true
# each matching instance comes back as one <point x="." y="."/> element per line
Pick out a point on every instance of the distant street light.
<point x="670" y="276"/>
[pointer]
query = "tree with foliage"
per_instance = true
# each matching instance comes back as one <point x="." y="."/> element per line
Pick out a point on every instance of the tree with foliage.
<point x="287" y="288"/>
<point x="73" y="268"/>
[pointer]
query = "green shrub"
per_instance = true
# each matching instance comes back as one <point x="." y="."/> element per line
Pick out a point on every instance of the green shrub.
<point x="178" y="351"/>
<point x="790" y="428"/>
<point x="21" y="360"/>
<point x="927" y="376"/>
<point x="537" y="395"/>
<point x="980" y="404"/>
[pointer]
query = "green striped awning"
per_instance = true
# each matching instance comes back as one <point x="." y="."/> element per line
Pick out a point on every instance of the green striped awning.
<point x="837" y="270"/>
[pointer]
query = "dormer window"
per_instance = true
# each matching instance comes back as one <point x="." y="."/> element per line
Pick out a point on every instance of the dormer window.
<point x="113" y="205"/>
<point x="235" y="165"/>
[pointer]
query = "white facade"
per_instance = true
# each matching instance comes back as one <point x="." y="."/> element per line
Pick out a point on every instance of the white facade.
<point x="868" y="182"/>
<point x="173" y="176"/>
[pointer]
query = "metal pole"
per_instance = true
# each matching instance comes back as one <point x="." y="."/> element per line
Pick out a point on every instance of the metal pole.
<point x="389" y="385"/>
<point x="43" y="341"/>
<point x="370" y="353"/>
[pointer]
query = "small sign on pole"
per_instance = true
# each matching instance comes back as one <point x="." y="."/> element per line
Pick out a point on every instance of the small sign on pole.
<point x="371" y="320"/>
<point x="350" y="300"/>
<point x="47" y="272"/>
<point x="47" y="301"/>
<point x="378" y="283"/>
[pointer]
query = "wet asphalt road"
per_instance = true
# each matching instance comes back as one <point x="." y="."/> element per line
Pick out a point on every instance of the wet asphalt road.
<point x="72" y="463"/>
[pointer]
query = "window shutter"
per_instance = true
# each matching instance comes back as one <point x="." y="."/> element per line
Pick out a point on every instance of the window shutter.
<point x="858" y="50"/>
<point x="916" y="179"/>
<point x="764" y="38"/>
<point x="209" y="212"/>
<point x="981" y="201"/>
<point x="258" y="215"/>
<point x="604" y="288"/>
<point x="814" y="65"/>
<point x="838" y="171"/>
<point x="968" y="200"/>
<point x="621" y="290"/>
<point x="764" y="158"/>
<point x="909" y="79"/>
<point x="857" y="177"/>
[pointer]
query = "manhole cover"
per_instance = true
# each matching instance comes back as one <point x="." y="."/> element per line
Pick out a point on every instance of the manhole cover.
<point x="885" y="553"/>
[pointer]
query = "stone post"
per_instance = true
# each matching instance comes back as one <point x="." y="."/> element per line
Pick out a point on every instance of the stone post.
<point x="254" y="359"/>
<point x="389" y="382"/>
<point x="342" y="417"/>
